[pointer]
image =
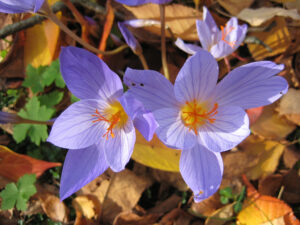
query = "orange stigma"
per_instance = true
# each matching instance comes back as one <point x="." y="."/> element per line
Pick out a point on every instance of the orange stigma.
<point x="194" y="114"/>
<point x="225" y="33"/>
<point x="115" y="117"/>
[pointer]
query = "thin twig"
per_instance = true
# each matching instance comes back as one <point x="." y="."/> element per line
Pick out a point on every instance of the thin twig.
<point x="163" y="42"/>
<point x="50" y="15"/>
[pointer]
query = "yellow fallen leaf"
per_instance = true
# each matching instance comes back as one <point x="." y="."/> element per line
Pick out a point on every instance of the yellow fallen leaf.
<point x="271" y="125"/>
<point x="278" y="39"/>
<point x="88" y="209"/>
<point x="155" y="154"/>
<point x="41" y="42"/>
<point x="289" y="106"/>
<point x="180" y="19"/>
<point x="268" y="153"/>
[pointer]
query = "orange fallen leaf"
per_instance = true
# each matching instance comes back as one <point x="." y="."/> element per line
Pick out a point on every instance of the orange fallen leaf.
<point x="14" y="165"/>
<point x="259" y="209"/>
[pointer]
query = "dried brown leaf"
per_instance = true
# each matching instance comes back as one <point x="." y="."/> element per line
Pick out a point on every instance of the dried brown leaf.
<point x="234" y="7"/>
<point x="270" y="184"/>
<point x="179" y="18"/>
<point x="289" y="106"/>
<point x="54" y="208"/>
<point x="129" y="218"/>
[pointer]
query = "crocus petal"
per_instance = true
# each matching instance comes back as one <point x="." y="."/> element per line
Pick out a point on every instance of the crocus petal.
<point x="129" y="38"/>
<point x="188" y="48"/>
<point x="81" y="167"/>
<point x="197" y="78"/>
<point x="118" y="150"/>
<point x="236" y="36"/>
<point x="231" y="126"/>
<point x="207" y="30"/>
<point x="151" y="88"/>
<point x="142" y="119"/>
<point x="171" y="131"/>
<point x="15" y="6"/>
<point x="141" y="2"/>
<point x="74" y="128"/>
<point x="38" y="5"/>
<point x="252" y="85"/>
<point x="87" y="76"/>
<point x="202" y="170"/>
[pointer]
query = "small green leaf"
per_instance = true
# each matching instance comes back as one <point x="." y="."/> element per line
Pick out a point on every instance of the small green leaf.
<point x="33" y="111"/>
<point x="9" y="196"/>
<point x="52" y="74"/>
<point x="226" y="192"/>
<point x="224" y="200"/>
<point x="51" y="99"/>
<point x="18" y="194"/>
<point x="33" y="78"/>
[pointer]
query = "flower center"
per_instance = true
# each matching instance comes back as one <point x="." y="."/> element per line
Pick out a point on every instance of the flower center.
<point x="114" y="115"/>
<point x="195" y="114"/>
<point x="225" y="33"/>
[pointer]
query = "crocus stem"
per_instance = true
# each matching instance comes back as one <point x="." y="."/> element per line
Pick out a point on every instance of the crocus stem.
<point x="163" y="42"/>
<point x="50" y="123"/>
<point x="143" y="61"/>
<point x="50" y="15"/>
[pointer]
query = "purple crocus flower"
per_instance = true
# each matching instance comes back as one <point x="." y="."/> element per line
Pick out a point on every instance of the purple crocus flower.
<point x="204" y="118"/>
<point x="98" y="129"/>
<point x="19" y="6"/>
<point x="220" y="43"/>
<point x="141" y="2"/>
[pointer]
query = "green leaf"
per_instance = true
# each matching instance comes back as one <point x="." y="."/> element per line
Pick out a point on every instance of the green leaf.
<point x="9" y="196"/>
<point x="237" y="207"/>
<point x="51" y="99"/>
<point x="52" y="74"/>
<point x="18" y="194"/>
<point x="33" y="111"/>
<point x="33" y="78"/>
<point x="226" y="192"/>
<point x="224" y="200"/>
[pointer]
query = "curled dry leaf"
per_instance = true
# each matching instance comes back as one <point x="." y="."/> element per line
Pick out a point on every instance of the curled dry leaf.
<point x="271" y="125"/>
<point x="180" y="19"/>
<point x="54" y="208"/>
<point x="88" y="210"/>
<point x="289" y="106"/>
<point x="277" y="38"/>
<point x="256" y="17"/>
